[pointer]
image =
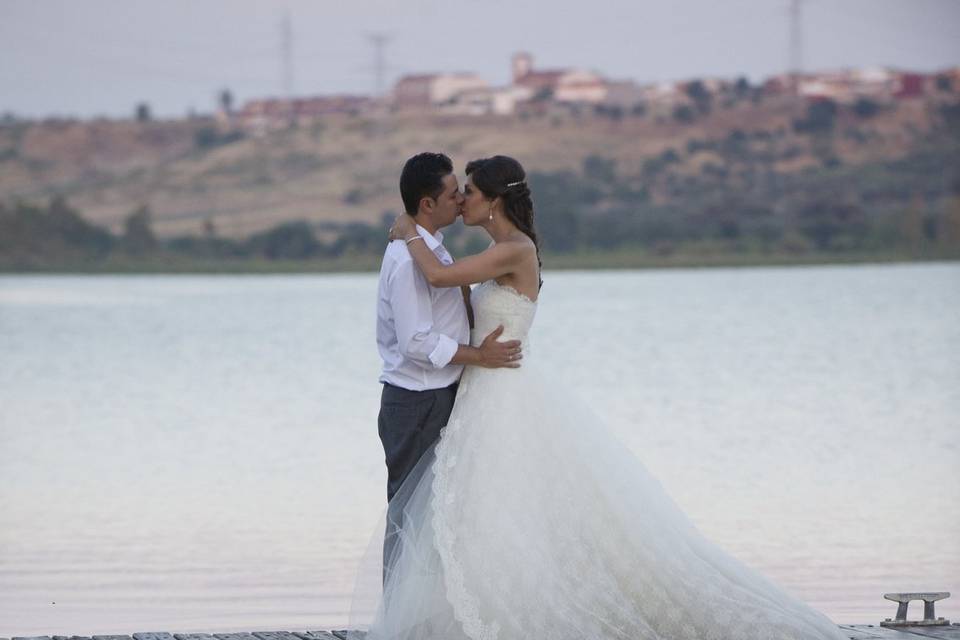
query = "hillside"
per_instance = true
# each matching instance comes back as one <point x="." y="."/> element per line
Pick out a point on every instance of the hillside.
<point x="345" y="168"/>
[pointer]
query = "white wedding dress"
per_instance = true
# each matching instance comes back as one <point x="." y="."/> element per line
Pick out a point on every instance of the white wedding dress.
<point x="530" y="520"/>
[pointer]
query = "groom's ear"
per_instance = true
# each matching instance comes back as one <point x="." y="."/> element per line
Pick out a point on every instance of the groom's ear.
<point x="426" y="204"/>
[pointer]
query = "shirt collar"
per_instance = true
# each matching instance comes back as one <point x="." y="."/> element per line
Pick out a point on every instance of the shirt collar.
<point x="432" y="241"/>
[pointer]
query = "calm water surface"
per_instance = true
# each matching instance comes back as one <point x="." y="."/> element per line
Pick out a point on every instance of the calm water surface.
<point x="200" y="453"/>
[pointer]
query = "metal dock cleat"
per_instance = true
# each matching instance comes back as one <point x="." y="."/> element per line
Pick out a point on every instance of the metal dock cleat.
<point x="929" y="617"/>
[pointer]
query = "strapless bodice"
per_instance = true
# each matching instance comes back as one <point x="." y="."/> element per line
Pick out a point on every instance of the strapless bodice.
<point x="495" y="304"/>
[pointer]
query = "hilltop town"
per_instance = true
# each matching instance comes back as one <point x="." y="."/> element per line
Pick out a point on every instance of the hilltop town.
<point x="853" y="159"/>
<point x="538" y="92"/>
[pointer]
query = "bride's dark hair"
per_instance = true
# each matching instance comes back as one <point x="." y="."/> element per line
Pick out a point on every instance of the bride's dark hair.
<point x="504" y="177"/>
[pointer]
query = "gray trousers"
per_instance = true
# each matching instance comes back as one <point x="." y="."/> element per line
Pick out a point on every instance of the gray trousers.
<point x="409" y="424"/>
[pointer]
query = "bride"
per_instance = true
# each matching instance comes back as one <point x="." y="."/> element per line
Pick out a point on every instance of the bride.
<point x="529" y="519"/>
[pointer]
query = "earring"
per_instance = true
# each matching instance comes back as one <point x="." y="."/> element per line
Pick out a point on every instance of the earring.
<point x="490" y="218"/>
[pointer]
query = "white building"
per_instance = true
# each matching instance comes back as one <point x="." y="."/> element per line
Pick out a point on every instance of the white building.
<point x="504" y="100"/>
<point x="580" y="86"/>
<point x="433" y="90"/>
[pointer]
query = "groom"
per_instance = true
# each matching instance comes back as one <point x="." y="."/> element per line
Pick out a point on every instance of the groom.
<point x="423" y="332"/>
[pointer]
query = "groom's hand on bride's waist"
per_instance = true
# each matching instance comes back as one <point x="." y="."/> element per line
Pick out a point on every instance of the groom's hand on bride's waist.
<point x="500" y="354"/>
<point x="491" y="353"/>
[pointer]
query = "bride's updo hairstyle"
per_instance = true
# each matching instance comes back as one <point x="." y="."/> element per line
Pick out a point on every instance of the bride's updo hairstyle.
<point x="504" y="177"/>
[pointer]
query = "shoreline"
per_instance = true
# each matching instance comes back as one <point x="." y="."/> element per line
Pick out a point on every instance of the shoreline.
<point x="586" y="261"/>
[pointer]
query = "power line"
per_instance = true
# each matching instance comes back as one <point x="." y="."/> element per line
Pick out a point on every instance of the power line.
<point x="379" y="42"/>
<point x="796" y="42"/>
<point x="286" y="55"/>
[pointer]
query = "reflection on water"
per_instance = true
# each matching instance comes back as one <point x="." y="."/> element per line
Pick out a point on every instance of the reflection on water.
<point x="200" y="453"/>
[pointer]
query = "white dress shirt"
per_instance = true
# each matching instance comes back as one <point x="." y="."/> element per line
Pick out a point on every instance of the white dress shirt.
<point x="419" y="327"/>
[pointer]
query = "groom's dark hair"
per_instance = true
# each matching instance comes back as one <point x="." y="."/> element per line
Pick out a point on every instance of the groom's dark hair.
<point x="422" y="176"/>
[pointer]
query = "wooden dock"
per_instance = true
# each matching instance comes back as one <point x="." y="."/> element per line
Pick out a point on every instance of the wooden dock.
<point x="901" y="627"/>
<point x="852" y="631"/>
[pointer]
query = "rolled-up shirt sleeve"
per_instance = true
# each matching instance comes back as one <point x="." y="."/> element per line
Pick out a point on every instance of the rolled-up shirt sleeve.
<point x="413" y="319"/>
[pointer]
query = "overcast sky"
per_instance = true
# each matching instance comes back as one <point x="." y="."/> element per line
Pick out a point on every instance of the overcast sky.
<point x="90" y="57"/>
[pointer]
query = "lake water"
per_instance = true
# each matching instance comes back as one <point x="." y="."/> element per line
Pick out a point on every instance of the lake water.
<point x="200" y="453"/>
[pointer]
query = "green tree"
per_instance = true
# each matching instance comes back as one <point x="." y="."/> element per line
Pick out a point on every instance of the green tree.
<point x="700" y="95"/>
<point x="742" y="87"/>
<point x="600" y="169"/>
<point x="820" y="118"/>
<point x="138" y="238"/>
<point x="911" y="225"/>
<point x="142" y="112"/>
<point x="559" y="197"/>
<point x="207" y="137"/>
<point x="683" y="113"/>
<point x="287" y="241"/>
<point x="948" y="231"/>
<point x="65" y="223"/>
<point x="226" y="100"/>
<point x="735" y="144"/>
<point x="866" y="108"/>
<point x="950" y="114"/>
<point x="31" y="235"/>
<point x="825" y="221"/>
<point x="359" y="238"/>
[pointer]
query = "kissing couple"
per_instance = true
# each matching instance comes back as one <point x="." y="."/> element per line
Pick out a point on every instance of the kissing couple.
<point x="514" y="512"/>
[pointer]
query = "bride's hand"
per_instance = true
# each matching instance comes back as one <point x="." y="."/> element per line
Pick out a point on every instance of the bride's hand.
<point x="403" y="227"/>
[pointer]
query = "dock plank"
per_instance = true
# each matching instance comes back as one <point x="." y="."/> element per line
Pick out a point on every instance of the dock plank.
<point x="275" y="635"/>
<point x="870" y="631"/>
<point x="948" y="632"/>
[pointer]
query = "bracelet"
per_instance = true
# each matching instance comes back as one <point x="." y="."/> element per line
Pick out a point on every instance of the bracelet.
<point x="416" y="237"/>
